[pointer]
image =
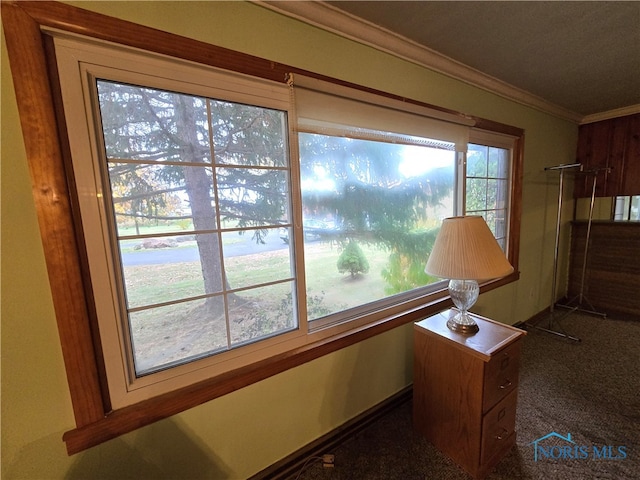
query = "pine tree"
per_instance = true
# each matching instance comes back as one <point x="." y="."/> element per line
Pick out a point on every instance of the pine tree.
<point x="353" y="260"/>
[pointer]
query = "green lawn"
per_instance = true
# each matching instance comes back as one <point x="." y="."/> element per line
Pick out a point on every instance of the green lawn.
<point x="186" y="330"/>
<point x="149" y="284"/>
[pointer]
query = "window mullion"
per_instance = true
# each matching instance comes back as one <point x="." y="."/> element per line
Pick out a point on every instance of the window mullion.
<point x="218" y="233"/>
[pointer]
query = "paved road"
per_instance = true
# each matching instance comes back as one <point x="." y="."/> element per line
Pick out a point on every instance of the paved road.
<point x="240" y="245"/>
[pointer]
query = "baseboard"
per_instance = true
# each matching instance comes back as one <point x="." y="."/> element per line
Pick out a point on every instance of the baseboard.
<point x="533" y="320"/>
<point x="291" y="464"/>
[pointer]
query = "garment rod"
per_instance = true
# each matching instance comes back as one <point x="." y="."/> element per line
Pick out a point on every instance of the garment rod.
<point x="581" y="297"/>
<point x="558" y="330"/>
<point x="563" y="166"/>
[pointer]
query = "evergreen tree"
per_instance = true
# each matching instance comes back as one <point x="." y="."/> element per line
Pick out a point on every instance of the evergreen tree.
<point x="375" y="203"/>
<point x="160" y="145"/>
<point x="353" y="260"/>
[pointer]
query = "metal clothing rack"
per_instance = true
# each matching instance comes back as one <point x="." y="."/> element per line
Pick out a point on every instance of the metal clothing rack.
<point x="554" y="326"/>
<point x="577" y="302"/>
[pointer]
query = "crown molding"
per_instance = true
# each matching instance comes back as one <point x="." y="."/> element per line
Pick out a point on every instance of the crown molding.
<point x="329" y="18"/>
<point x="618" y="112"/>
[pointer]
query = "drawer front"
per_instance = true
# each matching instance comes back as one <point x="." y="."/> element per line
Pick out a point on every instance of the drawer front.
<point x="500" y="375"/>
<point x="498" y="428"/>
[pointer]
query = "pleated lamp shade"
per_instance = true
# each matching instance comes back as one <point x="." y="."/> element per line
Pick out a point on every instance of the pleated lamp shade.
<point x="465" y="249"/>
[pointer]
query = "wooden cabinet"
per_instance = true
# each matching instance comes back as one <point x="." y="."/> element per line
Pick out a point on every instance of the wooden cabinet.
<point x="613" y="144"/>
<point x="465" y="390"/>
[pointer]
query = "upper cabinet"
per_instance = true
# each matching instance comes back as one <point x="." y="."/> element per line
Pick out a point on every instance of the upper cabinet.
<point x="610" y="144"/>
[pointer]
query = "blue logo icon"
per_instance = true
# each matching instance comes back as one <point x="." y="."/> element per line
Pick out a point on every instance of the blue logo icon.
<point x="569" y="449"/>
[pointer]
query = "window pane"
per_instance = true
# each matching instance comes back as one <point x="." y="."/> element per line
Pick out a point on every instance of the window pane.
<point x="156" y="197"/>
<point x="163" y="269"/>
<point x="248" y="136"/>
<point x="635" y="208"/>
<point x="242" y="249"/>
<point x="621" y="208"/>
<point x="498" y="162"/>
<point x="147" y="124"/>
<point x="487" y="187"/>
<point x="477" y="157"/>
<point x="261" y="312"/>
<point x="202" y="258"/>
<point x="490" y="218"/>
<point x="371" y="211"/>
<point x="627" y="208"/>
<point x="476" y="194"/>
<point x="492" y="194"/>
<point x="176" y="334"/>
<point x="252" y="196"/>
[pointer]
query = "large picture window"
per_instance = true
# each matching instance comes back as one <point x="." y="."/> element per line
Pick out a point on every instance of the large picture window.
<point x="212" y="219"/>
<point x="237" y="214"/>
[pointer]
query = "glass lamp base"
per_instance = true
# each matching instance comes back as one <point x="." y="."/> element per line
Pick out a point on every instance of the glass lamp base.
<point x="464" y="294"/>
<point x="465" y="327"/>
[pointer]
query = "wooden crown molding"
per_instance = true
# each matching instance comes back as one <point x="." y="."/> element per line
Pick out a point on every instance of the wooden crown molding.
<point x="618" y="112"/>
<point x="329" y="18"/>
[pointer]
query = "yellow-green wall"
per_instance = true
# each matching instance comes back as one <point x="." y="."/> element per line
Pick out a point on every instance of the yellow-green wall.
<point x="240" y="434"/>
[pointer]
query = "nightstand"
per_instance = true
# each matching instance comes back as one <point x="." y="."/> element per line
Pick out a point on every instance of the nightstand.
<point x="465" y="390"/>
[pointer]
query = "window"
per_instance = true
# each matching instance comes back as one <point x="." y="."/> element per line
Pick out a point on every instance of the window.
<point x="371" y="211"/>
<point x="377" y="178"/>
<point x="193" y="227"/>
<point x="195" y="186"/>
<point x="627" y="208"/>
<point x="186" y="185"/>
<point x="198" y="187"/>
<point x="123" y="179"/>
<point x="487" y="187"/>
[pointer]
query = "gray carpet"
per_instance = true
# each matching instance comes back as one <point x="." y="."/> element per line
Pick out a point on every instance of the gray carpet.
<point x="589" y="389"/>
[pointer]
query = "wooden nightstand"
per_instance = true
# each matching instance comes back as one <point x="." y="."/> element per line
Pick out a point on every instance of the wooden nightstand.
<point x="465" y="390"/>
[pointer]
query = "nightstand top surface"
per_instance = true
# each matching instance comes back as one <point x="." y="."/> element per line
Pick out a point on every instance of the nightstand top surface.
<point x="491" y="338"/>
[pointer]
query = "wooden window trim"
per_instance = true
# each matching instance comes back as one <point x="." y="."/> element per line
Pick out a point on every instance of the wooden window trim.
<point x="48" y="160"/>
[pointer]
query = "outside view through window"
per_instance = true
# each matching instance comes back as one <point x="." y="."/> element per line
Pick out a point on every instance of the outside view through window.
<point x="199" y="188"/>
<point x="200" y="208"/>
<point x="371" y="211"/>
<point x="488" y="170"/>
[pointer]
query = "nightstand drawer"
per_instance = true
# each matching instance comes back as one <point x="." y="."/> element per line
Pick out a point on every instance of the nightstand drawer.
<point x="500" y="376"/>
<point x="498" y="427"/>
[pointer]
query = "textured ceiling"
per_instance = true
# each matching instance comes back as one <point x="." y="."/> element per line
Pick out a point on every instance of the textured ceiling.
<point x="582" y="56"/>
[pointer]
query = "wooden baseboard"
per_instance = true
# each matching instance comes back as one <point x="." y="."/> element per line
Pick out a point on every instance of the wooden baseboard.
<point x="533" y="320"/>
<point x="291" y="464"/>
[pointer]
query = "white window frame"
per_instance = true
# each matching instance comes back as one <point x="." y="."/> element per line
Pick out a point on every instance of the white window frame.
<point x="79" y="64"/>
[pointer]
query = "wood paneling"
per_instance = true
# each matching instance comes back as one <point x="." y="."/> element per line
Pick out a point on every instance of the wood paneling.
<point x="631" y="177"/>
<point x="613" y="148"/>
<point x="612" y="274"/>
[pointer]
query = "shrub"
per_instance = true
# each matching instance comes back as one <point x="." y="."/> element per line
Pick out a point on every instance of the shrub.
<point x="352" y="260"/>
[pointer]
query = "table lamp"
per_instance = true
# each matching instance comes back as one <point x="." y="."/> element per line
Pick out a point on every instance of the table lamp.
<point x="465" y="251"/>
